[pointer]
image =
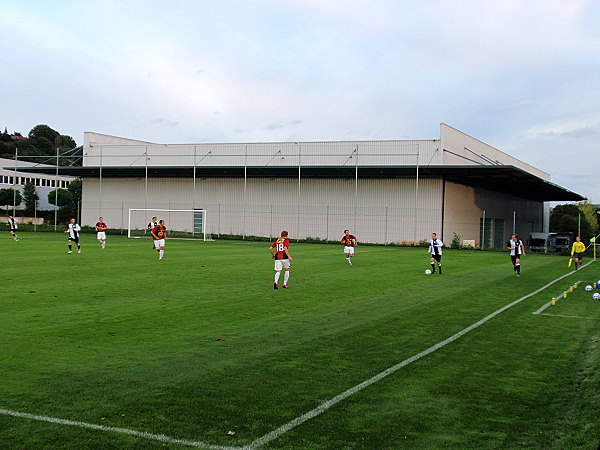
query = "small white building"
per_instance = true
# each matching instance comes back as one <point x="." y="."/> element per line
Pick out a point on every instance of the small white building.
<point x="383" y="191"/>
<point x="15" y="174"/>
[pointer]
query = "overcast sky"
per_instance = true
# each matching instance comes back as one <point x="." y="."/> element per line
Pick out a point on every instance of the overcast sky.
<point x="523" y="76"/>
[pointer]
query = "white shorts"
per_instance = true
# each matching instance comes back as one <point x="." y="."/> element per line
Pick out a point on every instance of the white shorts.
<point x="349" y="250"/>
<point x="159" y="243"/>
<point x="101" y="235"/>
<point x="282" y="264"/>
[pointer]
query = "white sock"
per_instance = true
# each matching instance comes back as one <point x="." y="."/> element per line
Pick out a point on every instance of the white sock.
<point x="161" y="253"/>
<point x="277" y="277"/>
<point x="286" y="277"/>
<point x="348" y="259"/>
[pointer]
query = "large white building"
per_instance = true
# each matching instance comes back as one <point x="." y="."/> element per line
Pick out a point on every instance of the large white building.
<point x="383" y="191"/>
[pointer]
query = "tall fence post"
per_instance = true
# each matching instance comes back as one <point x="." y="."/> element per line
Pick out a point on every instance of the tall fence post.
<point x="327" y="224"/>
<point x="271" y="226"/>
<point x="483" y="231"/>
<point x="219" y="221"/>
<point x="385" y="238"/>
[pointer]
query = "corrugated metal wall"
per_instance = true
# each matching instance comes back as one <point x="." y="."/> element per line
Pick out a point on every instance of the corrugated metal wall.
<point x="385" y="210"/>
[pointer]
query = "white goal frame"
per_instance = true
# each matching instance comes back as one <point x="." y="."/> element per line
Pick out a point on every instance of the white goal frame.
<point x="204" y="215"/>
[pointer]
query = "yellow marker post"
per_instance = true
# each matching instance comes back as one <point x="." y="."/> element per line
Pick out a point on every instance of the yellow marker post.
<point x="553" y="301"/>
<point x="565" y="294"/>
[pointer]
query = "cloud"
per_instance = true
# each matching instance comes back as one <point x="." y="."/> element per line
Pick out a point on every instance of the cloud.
<point x="165" y="122"/>
<point x="281" y="125"/>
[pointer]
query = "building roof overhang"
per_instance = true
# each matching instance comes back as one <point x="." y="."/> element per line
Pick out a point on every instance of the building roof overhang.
<point x="504" y="179"/>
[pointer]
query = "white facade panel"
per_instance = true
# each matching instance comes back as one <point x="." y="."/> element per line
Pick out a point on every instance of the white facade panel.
<point x="383" y="210"/>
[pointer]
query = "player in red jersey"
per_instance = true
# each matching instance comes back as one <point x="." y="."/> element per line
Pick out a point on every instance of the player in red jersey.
<point x="101" y="228"/>
<point x="349" y="241"/>
<point x="159" y="234"/>
<point x="281" y="254"/>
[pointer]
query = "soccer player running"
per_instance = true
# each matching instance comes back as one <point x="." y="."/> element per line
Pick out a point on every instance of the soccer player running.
<point x="12" y="223"/>
<point x="517" y="249"/>
<point x="435" y="250"/>
<point x="349" y="241"/>
<point x="577" y="252"/>
<point x="281" y="254"/>
<point x="159" y="234"/>
<point x="101" y="228"/>
<point x="73" y="230"/>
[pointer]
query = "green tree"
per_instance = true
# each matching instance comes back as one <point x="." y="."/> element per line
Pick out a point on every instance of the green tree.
<point x="30" y="197"/>
<point x="589" y="211"/>
<point x="566" y="218"/>
<point x="60" y="197"/>
<point x="10" y="197"/>
<point x="44" y="131"/>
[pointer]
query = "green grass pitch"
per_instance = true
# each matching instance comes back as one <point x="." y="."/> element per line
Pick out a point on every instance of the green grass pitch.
<point x="200" y="347"/>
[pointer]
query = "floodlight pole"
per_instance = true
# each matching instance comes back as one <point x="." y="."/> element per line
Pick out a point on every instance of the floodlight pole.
<point x="245" y="188"/>
<point x="579" y="225"/>
<point x="146" y="177"/>
<point x="56" y="194"/>
<point x="100" y="197"/>
<point x="194" y="199"/>
<point x="355" y="188"/>
<point x="14" y="182"/>
<point x="298" y="201"/>
<point x="416" y="199"/>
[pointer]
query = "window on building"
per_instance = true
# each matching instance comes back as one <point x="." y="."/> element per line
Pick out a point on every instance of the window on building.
<point x="485" y="233"/>
<point x="499" y="236"/>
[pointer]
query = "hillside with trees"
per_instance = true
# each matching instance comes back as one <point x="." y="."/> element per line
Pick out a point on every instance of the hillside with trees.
<point x="41" y="142"/>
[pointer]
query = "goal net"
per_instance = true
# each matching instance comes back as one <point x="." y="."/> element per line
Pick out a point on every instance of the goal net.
<point x="180" y="223"/>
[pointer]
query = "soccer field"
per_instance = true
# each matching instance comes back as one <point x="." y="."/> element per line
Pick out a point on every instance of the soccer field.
<point x="200" y="350"/>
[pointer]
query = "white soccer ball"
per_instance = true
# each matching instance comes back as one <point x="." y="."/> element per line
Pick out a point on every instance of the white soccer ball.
<point x="596" y="295"/>
<point x="589" y="288"/>
<point x="428" y="272"/>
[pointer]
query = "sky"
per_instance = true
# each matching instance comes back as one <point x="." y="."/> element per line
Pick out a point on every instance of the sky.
<point x="522" y="76"/>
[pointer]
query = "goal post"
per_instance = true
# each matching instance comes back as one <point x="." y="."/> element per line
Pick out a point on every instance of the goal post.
<point x="180" y="223"/>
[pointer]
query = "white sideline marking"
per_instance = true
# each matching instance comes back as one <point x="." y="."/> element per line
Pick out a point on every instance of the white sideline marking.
<point x="359" y="387"/>
<point x="539" y="311"/>
<point x="574" y="317"/>
<point x="142" y="434"/>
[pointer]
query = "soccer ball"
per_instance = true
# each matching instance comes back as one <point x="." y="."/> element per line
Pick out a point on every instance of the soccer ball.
<point x="596" y="295"/>
<point x="428" y="272"/>
<point x="589" y="288"/>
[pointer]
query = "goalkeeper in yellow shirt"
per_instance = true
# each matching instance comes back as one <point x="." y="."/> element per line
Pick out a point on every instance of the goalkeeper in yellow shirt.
<point x="577" y="252"/>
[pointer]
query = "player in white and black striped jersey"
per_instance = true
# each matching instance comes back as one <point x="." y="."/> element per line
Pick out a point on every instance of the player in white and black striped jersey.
<point x="435" y="251"/>
<point x="153" y="222"/>
<point x="517" y="249"/>
<point x="73" y="230"/>
<point x="12" y="223"/>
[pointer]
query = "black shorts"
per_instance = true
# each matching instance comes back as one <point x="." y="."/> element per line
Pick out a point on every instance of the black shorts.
<point x="514" y="258"/>
<point x="438" y="258"/>
<point x="76" y="240"/>
<point x="13" y="230"/>
<point x="578" y="256"/>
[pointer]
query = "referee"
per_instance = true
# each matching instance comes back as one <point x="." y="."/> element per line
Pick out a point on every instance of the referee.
<point x="577" y="252"/>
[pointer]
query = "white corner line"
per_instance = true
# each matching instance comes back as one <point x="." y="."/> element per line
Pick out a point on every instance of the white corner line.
<point x="142" y="434"/>
<point x="359" y="387"/>
<point x="573" y="317"/>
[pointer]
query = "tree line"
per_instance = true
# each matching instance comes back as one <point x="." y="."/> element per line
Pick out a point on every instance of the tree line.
<point x="566" y="218"/>
<point x="40" y="146"/>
